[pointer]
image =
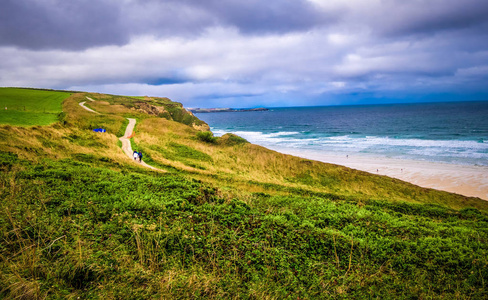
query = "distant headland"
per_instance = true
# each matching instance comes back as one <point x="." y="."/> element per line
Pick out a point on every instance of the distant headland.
<point x="215" y="110"/>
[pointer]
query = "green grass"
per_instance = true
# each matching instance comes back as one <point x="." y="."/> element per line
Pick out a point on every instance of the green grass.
<point x="83" y="230"/>
<point x="229" y="220"/>
<point x="26" y="107"/>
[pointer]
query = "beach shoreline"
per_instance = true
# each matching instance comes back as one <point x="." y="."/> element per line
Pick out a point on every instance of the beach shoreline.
<point x="465" y="180"/>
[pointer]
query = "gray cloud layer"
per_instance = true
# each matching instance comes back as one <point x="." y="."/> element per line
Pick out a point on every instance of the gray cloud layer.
<point x="58" y="24"/>
<point x="35" y="24"/>
<point x="249" y="52"/>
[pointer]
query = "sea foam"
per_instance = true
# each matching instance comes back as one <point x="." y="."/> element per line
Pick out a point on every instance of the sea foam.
<point x="451" y="151"/>
<point x="441" y="132"/>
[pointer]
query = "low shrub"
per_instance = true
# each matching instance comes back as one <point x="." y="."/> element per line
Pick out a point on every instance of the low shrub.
<point x="230" y="139"/>
<point x="206" y="136"/>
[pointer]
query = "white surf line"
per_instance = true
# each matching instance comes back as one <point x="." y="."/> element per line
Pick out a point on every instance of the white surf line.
<point x="126" y="145"/>
<point x="82" y="104"/>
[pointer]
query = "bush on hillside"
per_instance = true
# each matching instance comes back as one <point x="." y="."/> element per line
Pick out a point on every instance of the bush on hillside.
<point x="207" y="137"/>
<point x="230" y="139"/>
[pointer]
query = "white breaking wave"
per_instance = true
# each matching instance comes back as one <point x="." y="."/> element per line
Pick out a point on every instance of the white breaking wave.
<point x="473" y="152"/>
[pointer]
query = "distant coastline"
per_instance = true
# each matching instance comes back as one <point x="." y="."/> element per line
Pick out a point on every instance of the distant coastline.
<point x="216" y="110"/>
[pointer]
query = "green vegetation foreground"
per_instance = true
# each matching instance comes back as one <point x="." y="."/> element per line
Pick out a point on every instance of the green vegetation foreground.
<point x="228" y="220"/>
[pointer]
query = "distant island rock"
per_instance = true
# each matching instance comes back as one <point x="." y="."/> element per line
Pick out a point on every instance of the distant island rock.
<point x="215" y="110"/>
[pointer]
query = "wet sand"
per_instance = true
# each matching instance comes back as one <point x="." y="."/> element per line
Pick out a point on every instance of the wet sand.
<point x="460" y="179"/>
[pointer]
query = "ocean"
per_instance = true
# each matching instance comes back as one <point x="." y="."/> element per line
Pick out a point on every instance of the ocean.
<point x="454" y="133"/>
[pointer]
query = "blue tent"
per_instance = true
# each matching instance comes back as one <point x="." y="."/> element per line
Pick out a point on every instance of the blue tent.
<point x="99" y="130"/>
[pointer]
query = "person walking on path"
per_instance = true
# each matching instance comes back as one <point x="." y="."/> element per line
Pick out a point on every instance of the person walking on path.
<point x="126" y="146"/>
<point x="135" y="155"/>
<point x="140" y="156"/>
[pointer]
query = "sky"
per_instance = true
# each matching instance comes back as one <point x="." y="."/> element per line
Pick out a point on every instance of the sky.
<point x="250" y="53"/>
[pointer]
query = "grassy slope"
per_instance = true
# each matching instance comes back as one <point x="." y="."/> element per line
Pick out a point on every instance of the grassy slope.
<point x="26" y="107"/>
<point x="229" y="220"/>
<point x="144" y="107"/>
<point x="252" y="168"/>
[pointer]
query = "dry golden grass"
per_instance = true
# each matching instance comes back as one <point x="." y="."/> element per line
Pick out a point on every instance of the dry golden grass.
<point x="99" y="96"/>
<point x="106" y="108"/>
<point x="243" y="163"/>
<point x="196" y="282"/>
<point x="57" y="141"/>
<point x="81" y="118"/>
<point x="24" y="289"/>
<point x="247" y="168"/>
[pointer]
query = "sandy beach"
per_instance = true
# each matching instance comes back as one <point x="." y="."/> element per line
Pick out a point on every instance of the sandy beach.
<point x="460" y="179"/>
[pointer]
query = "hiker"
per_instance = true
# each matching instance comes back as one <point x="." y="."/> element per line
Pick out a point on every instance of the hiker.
<point x="140" y="156"/>
<point x="136" y="155"/>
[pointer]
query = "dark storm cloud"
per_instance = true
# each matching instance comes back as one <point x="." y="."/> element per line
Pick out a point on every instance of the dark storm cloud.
<point x="263" y="52"/>
<point x="191" y="18"/>
<point x="398" y="17"/>
<point x="51" y="24"/>
<point x="81" y="24"/>
<point x="256" y="16"/>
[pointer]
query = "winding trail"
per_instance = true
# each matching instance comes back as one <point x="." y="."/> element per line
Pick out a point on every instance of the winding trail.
<point x="82" y="104"/>
<point x="126" y="145"/>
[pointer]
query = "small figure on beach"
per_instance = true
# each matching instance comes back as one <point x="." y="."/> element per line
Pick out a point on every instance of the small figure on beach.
<point x="140" y="156"/>
<point x="135" y="155"/>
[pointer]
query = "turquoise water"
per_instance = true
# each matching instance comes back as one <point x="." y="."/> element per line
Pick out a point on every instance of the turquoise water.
<point x="440" y="132"/>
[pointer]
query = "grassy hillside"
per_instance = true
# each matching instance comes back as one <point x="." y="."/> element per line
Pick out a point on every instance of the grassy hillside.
<point x="227" y="219"/>
<point x="25" y="107"/>
<point x="146" y="107"/>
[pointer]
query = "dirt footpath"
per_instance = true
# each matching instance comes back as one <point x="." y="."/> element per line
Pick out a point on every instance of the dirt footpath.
<point x="126" y="145"/>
